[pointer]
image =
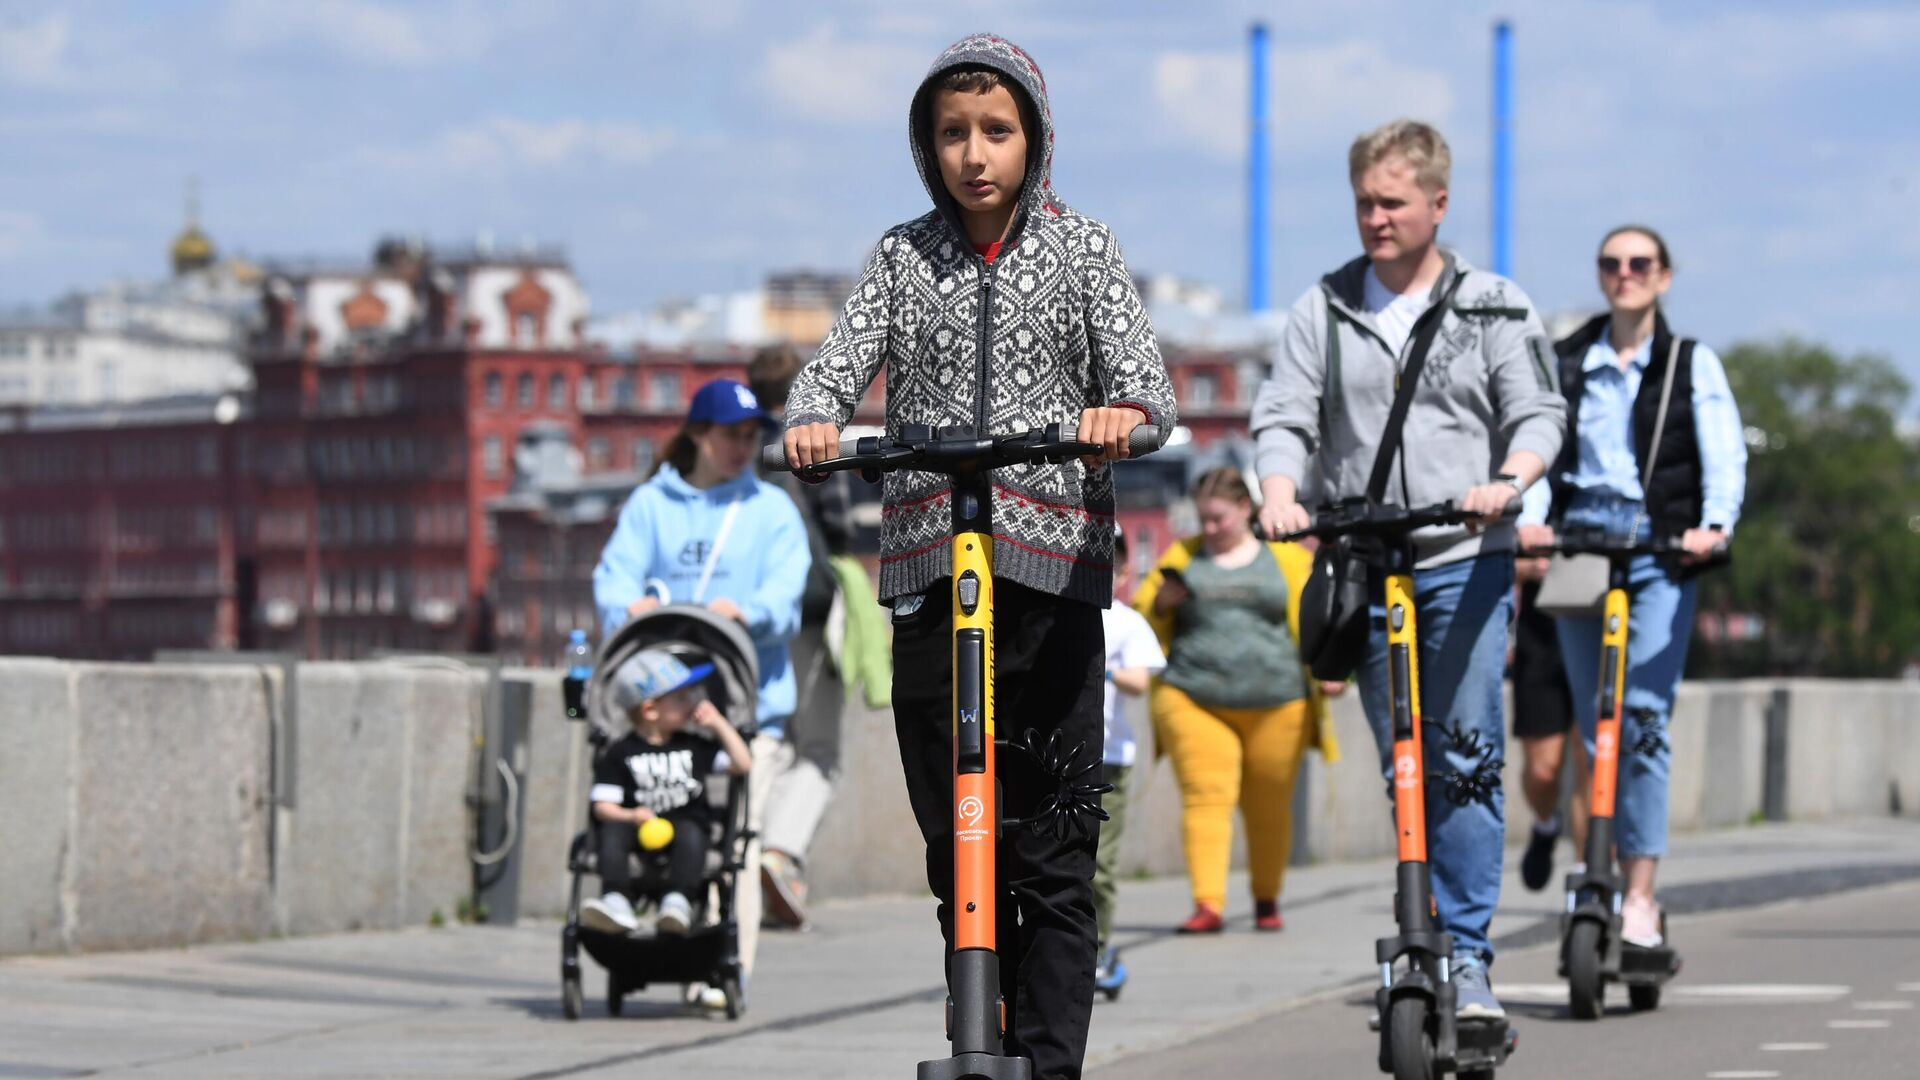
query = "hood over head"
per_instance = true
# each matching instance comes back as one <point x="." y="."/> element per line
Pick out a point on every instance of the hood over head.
<point x="1012" y="62"/>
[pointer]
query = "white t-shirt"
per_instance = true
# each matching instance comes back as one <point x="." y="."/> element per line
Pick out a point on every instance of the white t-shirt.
<point x="1392" y="312"/>
<point x="1130" y="644"/>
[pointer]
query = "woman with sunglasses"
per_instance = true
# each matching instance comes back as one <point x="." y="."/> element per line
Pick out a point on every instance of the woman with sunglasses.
<point x="1613" y="371"/>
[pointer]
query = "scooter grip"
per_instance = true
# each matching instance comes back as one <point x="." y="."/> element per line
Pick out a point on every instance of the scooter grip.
<point x="1143" y="440"/>
<point x="773" y="456"/>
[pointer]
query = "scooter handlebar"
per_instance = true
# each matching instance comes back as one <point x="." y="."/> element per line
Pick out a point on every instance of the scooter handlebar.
<point x="1144" y="439"/>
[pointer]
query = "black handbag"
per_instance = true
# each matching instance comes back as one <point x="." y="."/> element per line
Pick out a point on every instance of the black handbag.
<point x="1335" y="599"/>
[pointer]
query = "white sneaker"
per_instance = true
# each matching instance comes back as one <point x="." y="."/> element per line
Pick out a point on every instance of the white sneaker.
<point x="700" y="995"/>
<point x="1640" y="925"/>
<point x="609" y="914"/>
<point x="675" y="914"/>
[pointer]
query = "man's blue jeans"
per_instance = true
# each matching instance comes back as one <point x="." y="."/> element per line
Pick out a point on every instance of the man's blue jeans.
<point x="1462" y="611"/>
<point x="1658" y="632"/>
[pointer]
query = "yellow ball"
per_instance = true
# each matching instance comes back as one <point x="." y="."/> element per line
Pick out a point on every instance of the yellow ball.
<point x="656" y="833"/>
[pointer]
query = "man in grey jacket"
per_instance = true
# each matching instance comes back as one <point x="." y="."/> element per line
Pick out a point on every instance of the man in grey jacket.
<point x="1484" y="421"/>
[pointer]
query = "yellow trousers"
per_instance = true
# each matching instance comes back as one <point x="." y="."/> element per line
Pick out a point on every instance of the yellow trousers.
<point x="1227" y="757"/>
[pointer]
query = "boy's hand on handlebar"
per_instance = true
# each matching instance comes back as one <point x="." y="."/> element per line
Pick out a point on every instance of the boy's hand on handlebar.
<point x="1109" y="429"/>
<point x="643" y="605"/>
<point x="1277" y="519"/>
<point x="1701" y="544"/>
<point x="1487" y="503"/>
<point x="727" y="609"/>
<point x="811" y="444"/>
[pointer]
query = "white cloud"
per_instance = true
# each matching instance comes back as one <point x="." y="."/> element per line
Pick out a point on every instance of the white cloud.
<point x="1316" y="93"/>
<point x="821" y="77"/>
<point x="510" y="142"/>
<point x="360" y="30"/>
<point x="35" y="53"/>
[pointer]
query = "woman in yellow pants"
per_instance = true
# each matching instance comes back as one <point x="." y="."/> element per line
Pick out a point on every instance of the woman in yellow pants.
<point x="1235" y="708"/>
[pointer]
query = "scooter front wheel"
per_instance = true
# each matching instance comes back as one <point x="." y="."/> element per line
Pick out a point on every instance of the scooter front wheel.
<point x="572" y="998"/>
<point x="1586" y="986"/>
<point x="1408" y="1041"/>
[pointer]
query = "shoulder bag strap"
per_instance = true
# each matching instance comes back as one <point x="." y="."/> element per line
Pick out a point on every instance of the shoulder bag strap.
<point x="1659" y="426"/>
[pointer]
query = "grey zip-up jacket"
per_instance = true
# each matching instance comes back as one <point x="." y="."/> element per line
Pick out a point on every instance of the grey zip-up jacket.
<point x="1486" y="390"/>
<point x="1052" y="327"/>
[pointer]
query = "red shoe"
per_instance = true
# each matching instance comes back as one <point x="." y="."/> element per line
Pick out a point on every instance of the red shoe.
<point x="1266" y="915"/>
<point x="1204" y="920"/>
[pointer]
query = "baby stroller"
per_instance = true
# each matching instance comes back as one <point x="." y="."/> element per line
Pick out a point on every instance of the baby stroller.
<point x="709" y="952"/>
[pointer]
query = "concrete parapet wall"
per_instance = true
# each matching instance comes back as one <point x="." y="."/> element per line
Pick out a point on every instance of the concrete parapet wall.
<point x="151" y="805"/>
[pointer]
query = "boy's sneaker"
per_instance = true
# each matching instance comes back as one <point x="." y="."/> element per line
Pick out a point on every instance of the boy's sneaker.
<point x="609" y="914"/>
<point x="1473" y="994"/>
<point x="1110" y="973"/>
<point x="675" y="914"/>
<point x="784" y="888"/>
<point x="1536" y="866"/>
<point x="1640" y="925"/>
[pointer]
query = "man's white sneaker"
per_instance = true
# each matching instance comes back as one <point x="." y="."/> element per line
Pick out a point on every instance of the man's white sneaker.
<point x="609" y="914"/>
<point x="675" y="914"/>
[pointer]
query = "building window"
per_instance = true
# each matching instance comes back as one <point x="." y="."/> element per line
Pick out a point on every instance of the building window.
<point x="1202" y="388"/>
<point x="494" y="389"/>
<point x="523" y="390"/>
<point x="491" y="458"/>
<point x="598" y="450"/>
<point x="666" y="391"/>
<point x="584" y="392"/>
<point x="556" y="392"/>
<point x="623" y="391"/>
<point x="642" y="455"/>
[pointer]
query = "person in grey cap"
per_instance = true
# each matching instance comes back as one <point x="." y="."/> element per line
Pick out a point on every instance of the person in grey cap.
<point x="658" y="771"/>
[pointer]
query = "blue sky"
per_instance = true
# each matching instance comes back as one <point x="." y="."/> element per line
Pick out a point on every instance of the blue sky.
<point x="677" y="148"/>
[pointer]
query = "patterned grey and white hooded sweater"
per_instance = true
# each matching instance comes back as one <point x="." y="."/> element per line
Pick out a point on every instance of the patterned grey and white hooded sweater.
<point x="1052" y="327"/>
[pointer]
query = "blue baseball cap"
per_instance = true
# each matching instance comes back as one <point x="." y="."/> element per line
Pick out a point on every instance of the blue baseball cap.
<point x="724" y="401"/>
<point x="650" y="674"/>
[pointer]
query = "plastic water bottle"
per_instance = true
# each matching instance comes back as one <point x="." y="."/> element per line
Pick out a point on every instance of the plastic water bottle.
<point x="579" y="670"/>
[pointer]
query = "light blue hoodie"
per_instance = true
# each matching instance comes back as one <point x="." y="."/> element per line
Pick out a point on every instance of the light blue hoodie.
<point x="662" y="546"/>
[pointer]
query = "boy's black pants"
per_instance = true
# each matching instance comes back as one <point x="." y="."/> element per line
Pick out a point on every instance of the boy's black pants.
<point x="1050" y="657"/>
<point x="686" y="857"/>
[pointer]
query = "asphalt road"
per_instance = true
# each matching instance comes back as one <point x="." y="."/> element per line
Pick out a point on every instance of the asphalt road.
<point x="1821" y="988"/>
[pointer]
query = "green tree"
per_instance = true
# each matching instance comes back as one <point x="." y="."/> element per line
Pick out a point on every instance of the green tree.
<point x="1828" y="546"/>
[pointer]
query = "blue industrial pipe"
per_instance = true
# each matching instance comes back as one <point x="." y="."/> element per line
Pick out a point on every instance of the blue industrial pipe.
<point x="1257" y="169"/>
<point x="1503" y="148"/>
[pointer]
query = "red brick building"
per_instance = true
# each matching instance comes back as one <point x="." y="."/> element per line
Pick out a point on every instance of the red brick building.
<point x="345" y="505"/>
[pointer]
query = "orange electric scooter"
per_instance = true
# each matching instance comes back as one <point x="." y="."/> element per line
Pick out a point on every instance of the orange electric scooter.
<point x="1420" y="1037"/>
<point x="976" y="1006"/>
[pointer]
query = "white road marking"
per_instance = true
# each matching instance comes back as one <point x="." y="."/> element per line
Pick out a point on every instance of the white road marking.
<point x="1883" y="1006"/>
<point x="1908" y="988"/>
<point x="1859" y="1025"/>
<point x="1742" y="1074"/>
<point x="1708" y="994"/>
<point x="1791" y="1048"/>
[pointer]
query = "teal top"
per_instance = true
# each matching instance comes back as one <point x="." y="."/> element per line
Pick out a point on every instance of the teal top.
<point x="1231" y="647"/>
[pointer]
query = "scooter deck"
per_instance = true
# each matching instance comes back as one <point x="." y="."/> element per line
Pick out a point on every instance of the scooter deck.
<point x="1647" y="967"/>
<point x="975" y="1067"/>
<point x="1483" y="1044"/>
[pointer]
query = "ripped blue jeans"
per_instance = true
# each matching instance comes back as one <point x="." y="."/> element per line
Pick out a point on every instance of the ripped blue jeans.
<point x="1462" y="611"/>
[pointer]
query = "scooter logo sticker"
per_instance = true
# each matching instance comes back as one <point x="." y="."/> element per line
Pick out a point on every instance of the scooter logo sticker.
<point x="971" y="811"/>
<point x="1406" y="773"/>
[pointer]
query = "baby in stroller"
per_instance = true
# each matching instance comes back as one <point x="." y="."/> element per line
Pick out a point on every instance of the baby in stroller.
<point x="658" y="773"/>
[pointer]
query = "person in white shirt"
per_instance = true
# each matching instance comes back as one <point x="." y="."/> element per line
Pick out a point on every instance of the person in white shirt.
<point x="1133" y="659"/>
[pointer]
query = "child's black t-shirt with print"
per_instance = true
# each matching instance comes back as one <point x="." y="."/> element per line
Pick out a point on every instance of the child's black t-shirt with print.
<point x="669" y="778"/>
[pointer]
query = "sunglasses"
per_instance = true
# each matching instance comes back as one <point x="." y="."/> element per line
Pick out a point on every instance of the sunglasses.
<point x="1639" y="264"/>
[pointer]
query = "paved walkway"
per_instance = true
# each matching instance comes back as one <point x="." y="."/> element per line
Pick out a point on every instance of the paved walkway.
<point x="857" y="997"/>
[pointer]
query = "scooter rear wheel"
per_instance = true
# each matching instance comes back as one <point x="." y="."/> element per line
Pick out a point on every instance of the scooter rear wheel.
<point x="572" y="999"/>
<point x="1408" y="1041"/>
<point x="1586" y="986"/>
